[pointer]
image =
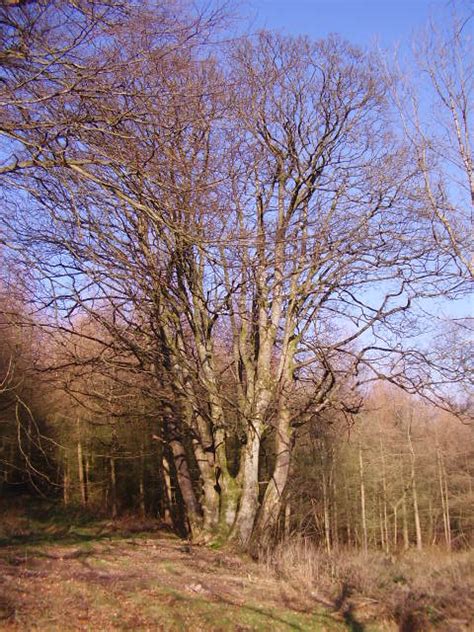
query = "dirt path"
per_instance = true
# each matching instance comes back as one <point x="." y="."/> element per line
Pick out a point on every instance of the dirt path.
<point x="147" y="583"/>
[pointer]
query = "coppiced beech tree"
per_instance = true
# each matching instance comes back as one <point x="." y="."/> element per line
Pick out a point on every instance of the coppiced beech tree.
<point x="243" y="222"/>
<point x="335" y="246"/>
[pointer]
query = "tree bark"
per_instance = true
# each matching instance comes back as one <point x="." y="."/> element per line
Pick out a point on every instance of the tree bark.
<point x="327" y="521"/>
<point x="406" y="536"/>
<point x="141" y="487"/>
<point x="167" y="492"/>
<point x="443" y="489"/>
<point x="80" y="467"/>
<point x="416" y="513"/>
<point x="362" y="500"/>
<point x="186" y="486"/>
<point x="113" y="487"/>
<point x="248" y="507"/>
<point x="273" y="498"/>
<point x="66" y="481"/>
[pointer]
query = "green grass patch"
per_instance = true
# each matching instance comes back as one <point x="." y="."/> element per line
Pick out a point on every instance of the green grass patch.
<point x="179" y="611"/>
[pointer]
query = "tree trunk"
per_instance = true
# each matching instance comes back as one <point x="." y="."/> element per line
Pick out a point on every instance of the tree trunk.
<point x="248" y="507"/>
<point x="80" y="469"/>
<point x="346" y="513"/>
<point x="406" y="537"/>
<point x="113" y="487"/>
<point x="395" y="528"/>
<point x="384" y="499"/>
<point x="443" y="488"/>
<point x="416" y="513"/>
<point x="66" y="481"/>
<point x="220" y="489"/>
<point x="327" y="524"/>
<point x="210" y="495"/>
<point x="448" y="516"/>
<point x="419" y="542"/>
<point x="167" y="492"/>
<point x="287" y="523"/>
<point x="186" y="486"/>
<point x="273" y="499"/>
<point x="362" y="500"/>
<point x="334" y="505"/>
<point x="204" y="449"/>
<point x="141" y="489"/>
<point x="381" y="524"/>
<point x="87" y="470"/>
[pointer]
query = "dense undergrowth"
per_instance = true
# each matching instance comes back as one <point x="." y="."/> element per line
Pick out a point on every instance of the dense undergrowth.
<point x="417" y="589"/>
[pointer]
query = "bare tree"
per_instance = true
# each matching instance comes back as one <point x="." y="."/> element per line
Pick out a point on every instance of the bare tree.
<point x="436" y="111"/>
<point x="248" y="232"/>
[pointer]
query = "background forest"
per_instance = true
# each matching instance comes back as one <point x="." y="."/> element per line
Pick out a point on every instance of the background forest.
<point x="224" y="264"/>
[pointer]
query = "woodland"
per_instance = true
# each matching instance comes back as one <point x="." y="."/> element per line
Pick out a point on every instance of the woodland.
<point x="234" y="271"/>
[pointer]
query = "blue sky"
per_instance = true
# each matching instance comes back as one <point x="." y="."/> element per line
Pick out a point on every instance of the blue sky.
<point x="361" y="21"/>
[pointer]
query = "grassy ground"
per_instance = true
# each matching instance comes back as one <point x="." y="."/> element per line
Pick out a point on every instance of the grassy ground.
<point x="71" y="572"/>
<point x="142" y="583"/>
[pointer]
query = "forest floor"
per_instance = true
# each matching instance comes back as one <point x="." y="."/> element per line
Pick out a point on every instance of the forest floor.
<point x="57" y="575"/>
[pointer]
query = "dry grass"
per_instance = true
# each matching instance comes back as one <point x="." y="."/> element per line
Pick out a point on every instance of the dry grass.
<point x="426" y="590"/>
<point x="149" y="583"/>
<point x="67" y="572"/>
